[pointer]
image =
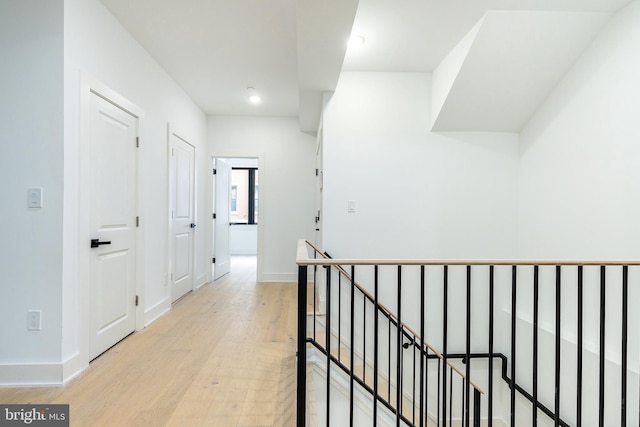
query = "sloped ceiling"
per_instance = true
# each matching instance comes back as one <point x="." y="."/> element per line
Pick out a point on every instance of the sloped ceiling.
<point x="493" y="61"/>
<point x="324" y="28"/>
<point x="291" y="51"/>
<point x="514" y="60"/>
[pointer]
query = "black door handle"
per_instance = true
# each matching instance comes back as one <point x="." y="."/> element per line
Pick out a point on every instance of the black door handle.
<point x="96" y="243"/>
<point x="193" y="225"/>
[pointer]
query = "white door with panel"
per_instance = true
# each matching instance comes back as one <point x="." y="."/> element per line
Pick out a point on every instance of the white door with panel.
<point x="113" y="183"/>
<point x="222" y="210"/>
<point x="182" y="216"/>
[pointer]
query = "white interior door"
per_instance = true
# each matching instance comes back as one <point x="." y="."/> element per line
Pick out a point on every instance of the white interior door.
<point x="182" y="216"/>
<point x="112" y="145"/>
<point x="222" y="265"/>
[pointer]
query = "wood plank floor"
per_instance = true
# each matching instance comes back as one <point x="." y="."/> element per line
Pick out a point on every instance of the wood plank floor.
<point x="223" y="356"/>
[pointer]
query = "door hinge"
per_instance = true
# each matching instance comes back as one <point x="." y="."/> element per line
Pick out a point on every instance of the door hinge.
<point x="213" y="260"/>
<point x="137" y="300"/>
<point x="137" y="142"/>
<point x="137" y="221"/>
<point x="214" y="216"/>
<point x="317" y="172"/>
<point x="215" y="171"/>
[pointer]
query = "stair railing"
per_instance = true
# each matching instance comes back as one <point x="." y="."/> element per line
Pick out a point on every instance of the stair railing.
<point x="404" y="338"/>
<point x="521" y="295"/>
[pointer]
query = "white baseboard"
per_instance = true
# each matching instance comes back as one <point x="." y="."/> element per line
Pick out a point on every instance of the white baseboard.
<point x="201" y="281"/>
<point x="284" y="277"/>
<point x="279" y="277"/>
<point x="31" y="375"/>
<point x="153" y="313"/>
<point x="72" y="367"/>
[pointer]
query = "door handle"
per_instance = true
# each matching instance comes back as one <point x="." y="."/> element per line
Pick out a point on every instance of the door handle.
<point x="96" y="243"/>
<point x="193" y="225"/>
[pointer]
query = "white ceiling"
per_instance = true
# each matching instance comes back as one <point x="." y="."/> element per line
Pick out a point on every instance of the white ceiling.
<point x="291" y="51"/>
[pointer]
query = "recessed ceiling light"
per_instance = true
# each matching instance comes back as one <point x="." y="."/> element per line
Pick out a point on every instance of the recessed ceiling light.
<point x="356" y="41"/>
<point x="254" y="98"/>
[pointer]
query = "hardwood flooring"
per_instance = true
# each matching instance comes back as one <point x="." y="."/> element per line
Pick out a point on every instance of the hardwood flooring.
<point x="223" y="356"/>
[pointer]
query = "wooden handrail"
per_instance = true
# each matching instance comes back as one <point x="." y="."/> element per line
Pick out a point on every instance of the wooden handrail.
<point x="304" y="251"/>
<point x="304" y="259"/>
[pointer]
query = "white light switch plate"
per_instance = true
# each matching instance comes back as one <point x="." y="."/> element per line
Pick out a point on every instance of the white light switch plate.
<point x="34" y="197"/>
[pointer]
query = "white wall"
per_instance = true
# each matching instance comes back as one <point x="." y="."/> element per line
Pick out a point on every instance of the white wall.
<point x="287" y="179"/>
<point x="97" y="45"/>
<point x="579" y="181"/>
<point x="579" y="174"/>
<point x="31" y="119"/>
<point x="417" y="194"/>
<point x="41" y="85"/>
<point x="243" y="239"/>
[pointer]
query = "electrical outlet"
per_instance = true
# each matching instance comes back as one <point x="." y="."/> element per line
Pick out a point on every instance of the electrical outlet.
<point x="34" y="320"/>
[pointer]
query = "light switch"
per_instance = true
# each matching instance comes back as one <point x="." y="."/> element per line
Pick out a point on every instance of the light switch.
<point x="34" y="197"/>
<point x="351" y="206"/>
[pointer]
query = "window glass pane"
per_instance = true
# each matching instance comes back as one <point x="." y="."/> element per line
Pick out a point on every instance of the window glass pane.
<point x="255" y="200"/>
<point x="240" y="208"/>
<point x="244" y="203"/>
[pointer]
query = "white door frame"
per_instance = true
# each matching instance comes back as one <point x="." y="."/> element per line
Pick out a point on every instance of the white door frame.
<point x="260" y="156"/>
<point x="172" y="131"/>
<point x="91" y="85"/>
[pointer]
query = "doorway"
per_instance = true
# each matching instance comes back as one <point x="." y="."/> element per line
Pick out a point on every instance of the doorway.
<point x="236" y="216"/>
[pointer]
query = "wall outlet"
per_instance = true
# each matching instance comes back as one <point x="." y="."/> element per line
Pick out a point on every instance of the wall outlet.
<point x="34" y="320"/>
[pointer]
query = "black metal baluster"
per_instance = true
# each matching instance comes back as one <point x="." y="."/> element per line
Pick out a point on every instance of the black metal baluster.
<point x="301" y="400"/>
<point x="399" y="366"/>
<point x="579" y="355"/>
<point x="513" y="345"/>
<point x="364" y="338"/>
<point x="339" y="315"/>
<point x="476" y="407"/>
<point x="623" y="393"/>
<point x="444" y="342"/>
<point x="413" y="377"/>
<point x="602" y="342"/>
<point x="422" y="349"/>
<point x="389" y="361"/>
<point x="375" y="346"/>
<point x="558" y="344"/>
<point x="353" y="344"/>
<point x="438" y="392"/>
<point x="534" y="410"/>
<point x="491" y="307"/>
<point x="328" y="342"/>
<point x="450" y="396"/>
<point x="464" y="403"/>
<point x="468" y="351"/>
<point x="315" y="267"/>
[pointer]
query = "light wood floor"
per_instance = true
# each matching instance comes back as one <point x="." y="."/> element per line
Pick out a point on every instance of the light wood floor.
<point x="223" y="356"/>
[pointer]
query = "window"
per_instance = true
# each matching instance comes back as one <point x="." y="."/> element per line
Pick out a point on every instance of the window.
<point x="244" y="196"/>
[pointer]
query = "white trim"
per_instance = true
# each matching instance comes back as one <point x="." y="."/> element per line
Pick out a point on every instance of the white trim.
<point x="72" y="367"/>
<point x="89" y="85"/>
<point x="201" y="281"/>
<point x="279" y="278"/>
<point x="153" y="313"/>
<point x="31" y="375"/>
<point x="261" y="157"/>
